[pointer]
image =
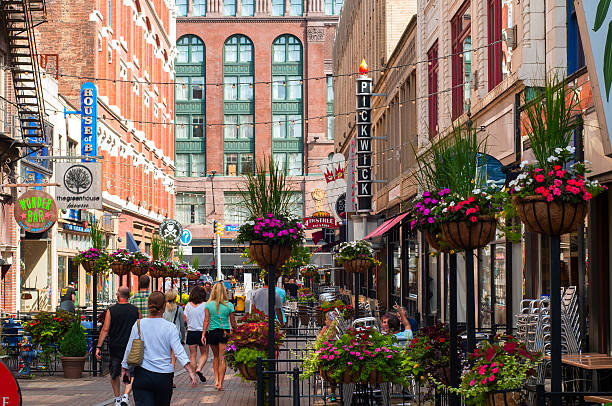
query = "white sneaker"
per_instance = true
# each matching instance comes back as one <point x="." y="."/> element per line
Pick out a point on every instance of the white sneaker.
<point x="118" y="402"/>
<point x="125" y="400"/>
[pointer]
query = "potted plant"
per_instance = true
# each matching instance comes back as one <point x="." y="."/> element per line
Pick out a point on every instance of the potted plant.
<point x="429" y="354"/>
<point x="497" y="373"/>
<point x="424" y="217"/>
<point x="312" y="361"/>
<point x="309" y="271"/>
<point x="94" y="260"/>
<point x="271" y="231"/>
<point x="356" y="256"/>
<point x="306" y="300"/>
<point x="551" y="194"/>
<point x="46" y="327"/>
<point x="248" y="342"/>
<point x="73" y="347"/>
<point x="139" y="263"/>
<point x="122" y="262"/>
<point x="361" y="356"/>
<point x="346" y="310"/>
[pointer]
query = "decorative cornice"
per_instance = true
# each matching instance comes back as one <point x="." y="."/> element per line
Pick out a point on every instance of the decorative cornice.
<point x="268" y="20"/>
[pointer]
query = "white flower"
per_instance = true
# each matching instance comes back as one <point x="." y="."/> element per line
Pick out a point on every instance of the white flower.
<point x="476" y="191"/>
<point x="488" y="197"/>
<point x="558" y="150"/>
<point x="444" y="210"/>
<point x="452" y="204"/>
<point x="570" y="149"/>
<point x="517" y="189"/>
<point x="524" y="164"/>
<point x="552" y="158"/>
<point x="522" y="176"/>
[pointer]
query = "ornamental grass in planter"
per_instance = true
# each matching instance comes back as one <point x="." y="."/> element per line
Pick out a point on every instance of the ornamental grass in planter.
<point x="356" y="256"/>
<point x="497" y="372"/>
<point x="73" y="347"/>
<point x="551" y="194"/>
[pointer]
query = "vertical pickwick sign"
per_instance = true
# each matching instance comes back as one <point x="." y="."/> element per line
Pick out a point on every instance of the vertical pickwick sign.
<point x="364" y="140"/>
<point x="35" y="211"/>
<point x="89" y="120"/>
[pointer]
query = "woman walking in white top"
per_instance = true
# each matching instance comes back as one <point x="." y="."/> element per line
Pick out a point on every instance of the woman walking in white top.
<point x="219" y="317"/>
<point x="152" y="384"/>
<point x="194" y="316"/>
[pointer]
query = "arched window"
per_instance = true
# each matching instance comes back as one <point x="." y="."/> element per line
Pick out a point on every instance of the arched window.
<point x="238" y="108"/>
<point x="190" y="107"/>
<point x="287" y="106"/>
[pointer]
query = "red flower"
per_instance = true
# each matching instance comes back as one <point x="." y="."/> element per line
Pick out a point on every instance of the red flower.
<point x="473" y="218"/>
<point x="510" y="347"/>
<point x="471" y="199"/>
<point x="557" y="167"/>
<point x="441" y="339"/>
<point x="539" y="178"/>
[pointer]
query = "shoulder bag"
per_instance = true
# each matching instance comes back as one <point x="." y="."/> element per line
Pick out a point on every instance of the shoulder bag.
<point x="136" y="354"/>
<point x="226" y="335"/>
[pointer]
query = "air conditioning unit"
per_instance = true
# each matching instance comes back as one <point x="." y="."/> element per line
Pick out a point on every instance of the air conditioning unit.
<point x="509" y="36"/>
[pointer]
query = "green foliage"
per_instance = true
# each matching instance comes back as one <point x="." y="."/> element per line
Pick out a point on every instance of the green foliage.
<point x="360" y="249"/>
<point x="73" y="343"/>
<point x="196" y="263"/>
<point x="248" y="356"/>
<point x="430" y="352"/>
<point x="101" y="260"/>
<point x="266" y="191"/>
<point x="503" y="365"/>
<point x="47" y="327"/>
<point x="549" y="120"/>
<point x="312" y="362"/>
<point x="96" y="234"/>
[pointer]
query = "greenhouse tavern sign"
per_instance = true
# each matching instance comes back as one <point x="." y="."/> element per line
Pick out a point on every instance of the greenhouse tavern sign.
<point x="35" y="211"/>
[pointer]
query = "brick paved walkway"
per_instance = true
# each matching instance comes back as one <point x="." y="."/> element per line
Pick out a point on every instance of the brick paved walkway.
<point x="56" y="390"/>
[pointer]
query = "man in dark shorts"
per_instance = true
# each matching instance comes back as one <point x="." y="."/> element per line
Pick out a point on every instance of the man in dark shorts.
<point x="292" y="288"/>
<point x="117" y="326"/>
<point x="67" y="296"/>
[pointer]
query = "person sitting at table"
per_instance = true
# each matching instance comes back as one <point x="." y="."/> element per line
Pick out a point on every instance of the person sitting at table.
<point x="391" y="325"/>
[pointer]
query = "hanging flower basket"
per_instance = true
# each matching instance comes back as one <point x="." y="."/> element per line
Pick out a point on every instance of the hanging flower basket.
<point x="193" y="276"/>
<point x="89" y="266"/>
<point x="504" y="398"/>
<point x="326" y="377"/>
<point x="465" y="235"/>
<point x="267" y="255"/>
<point x="141" y="269"/>
<point x="120" y="268"/>
<point x="247" y="372"/>
<point x="438" y="243"/>
<point x="158" y="270"/>
<point x="552" y="218"/>
<point x="357" y="265"/>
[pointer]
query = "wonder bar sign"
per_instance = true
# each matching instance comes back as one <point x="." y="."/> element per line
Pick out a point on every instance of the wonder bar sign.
<point x="364" y="140"/>
<point x="89" y="120"/>
<point x="35" y="211"/>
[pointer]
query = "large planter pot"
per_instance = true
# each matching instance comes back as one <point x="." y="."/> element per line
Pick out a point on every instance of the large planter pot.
<point x="356" y="265"/>
<point x="193" y="277"/>
<point x="89" y="266"/>
<point x="505" y="398"/>
<point x="552" y="218"/>
<point x="140" y="270"/>
<point x="463" y="235"/>
<point x="437" y="244"/>
<point x="73" y="367"/>
<point x="269" y="255"/>
<point x="326" y="376"/>
<point x="247" y="372"/>
<point x="158" y="272"/>
<point x="120" y="268"/>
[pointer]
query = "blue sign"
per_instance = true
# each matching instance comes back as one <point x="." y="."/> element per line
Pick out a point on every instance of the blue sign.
<point x="492" y="169"/>
<point x="232" y="227"/>
<point x="186" y="237"/>
<point x="89" y="120"/>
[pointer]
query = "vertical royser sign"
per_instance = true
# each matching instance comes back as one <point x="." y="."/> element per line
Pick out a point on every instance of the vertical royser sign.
<point x="89" y="120"/>
<point x="364" y="140"/>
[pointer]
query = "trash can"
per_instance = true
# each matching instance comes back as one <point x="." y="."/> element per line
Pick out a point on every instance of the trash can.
<point x="240" y="303"/>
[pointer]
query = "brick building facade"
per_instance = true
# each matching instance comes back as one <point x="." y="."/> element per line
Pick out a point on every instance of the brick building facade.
<point x="229" y="115"/>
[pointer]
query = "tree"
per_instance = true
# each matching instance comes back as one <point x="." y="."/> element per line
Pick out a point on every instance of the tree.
<point x="77" y="179"/>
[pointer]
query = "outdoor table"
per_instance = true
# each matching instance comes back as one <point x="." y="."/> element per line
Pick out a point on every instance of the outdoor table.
<point x="593" y="362"/>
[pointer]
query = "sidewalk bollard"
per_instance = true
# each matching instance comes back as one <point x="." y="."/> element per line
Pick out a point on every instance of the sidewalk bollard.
<point x="296" y="386"/>
<point x="260" y="382"/>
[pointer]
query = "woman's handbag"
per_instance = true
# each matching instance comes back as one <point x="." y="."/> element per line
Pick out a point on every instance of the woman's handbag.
<point x="136" y="354"/>
<point x="226" y="335"/>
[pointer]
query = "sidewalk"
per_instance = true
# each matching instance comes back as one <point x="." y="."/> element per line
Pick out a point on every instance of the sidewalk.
<point x="55" y="390"/>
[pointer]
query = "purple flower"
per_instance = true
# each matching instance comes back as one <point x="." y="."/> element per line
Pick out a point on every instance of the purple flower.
<point x="430" y="220"/>
<point x="426" y="194"/>
<point x="426" y="212"/>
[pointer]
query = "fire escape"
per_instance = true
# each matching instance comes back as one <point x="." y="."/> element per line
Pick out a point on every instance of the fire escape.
<point x="21" y="16"/>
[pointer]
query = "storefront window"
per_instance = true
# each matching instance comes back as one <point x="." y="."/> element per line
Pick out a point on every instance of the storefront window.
<point x="61" y="272"/>
<point x="484" y="286"/>
<point x="500" y="283"/>
<point x="396" y="287"/>
<point x="432" y="286"/>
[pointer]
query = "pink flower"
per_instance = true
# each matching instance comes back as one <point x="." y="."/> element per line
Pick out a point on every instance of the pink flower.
<point x="377" y="350"/>
<point x="473" y="382"/>
<point x="491" y="378"/>
<point x="549" y="198"/>
<point x="539" y="178"/>
<point x="587" y="196"/>
<point x="495" y="370"/>
<point x="484" y="381"/>
<point x="349" y="363"/>
<point x="389" y="356"/>
<point x="473" y="219"/>
<point x="558" y="182"/>
<point x="360" y="357"/>
<point x="352" y="352"/>
<point x="557" y="192"/>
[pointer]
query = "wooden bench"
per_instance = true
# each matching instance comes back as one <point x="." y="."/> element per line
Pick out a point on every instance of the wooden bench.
<point x="598" y="399"/>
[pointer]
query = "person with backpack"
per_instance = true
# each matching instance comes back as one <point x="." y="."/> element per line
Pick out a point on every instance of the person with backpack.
<point x="175" y="315"/>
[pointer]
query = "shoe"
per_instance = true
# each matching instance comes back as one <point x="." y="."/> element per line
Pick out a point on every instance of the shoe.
<point x="201" y="376"/>
<point x="125" y="400"/>
<point x="118" y="402"/>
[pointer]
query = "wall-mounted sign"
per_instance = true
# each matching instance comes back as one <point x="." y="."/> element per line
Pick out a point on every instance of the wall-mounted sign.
<point x="10" y="393"/>
<point x="81" y="185"/>
<point x="171" y="230"/>
<point x="333" y="170"/>
<point x="35" y="211"/>
<point x="311" y="223"/>
<point x="89" y="120"/>
<point x="186" y="237"/>
<point x="395" y="193"/>
<point x="364" y="140"/>
<point x="351" y="184"/>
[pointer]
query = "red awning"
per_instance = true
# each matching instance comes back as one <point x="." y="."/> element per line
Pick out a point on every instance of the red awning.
<point x="386" y="226"/>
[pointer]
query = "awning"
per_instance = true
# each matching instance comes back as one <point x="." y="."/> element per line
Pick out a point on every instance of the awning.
<point x="130" y="242"/>
<point x="386" y="226"/>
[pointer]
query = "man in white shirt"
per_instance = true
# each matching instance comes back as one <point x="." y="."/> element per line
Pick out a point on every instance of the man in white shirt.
<point x="260" y="302"/>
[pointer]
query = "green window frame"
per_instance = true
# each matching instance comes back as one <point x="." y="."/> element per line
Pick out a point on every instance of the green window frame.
<point x="287" y="126"/>
<point x="190" y="208"/>
<point x="330" y="106"/>
<point x="237" y="126"/>
<point x="110" y="12"/>
<point x="278" y="7"/>
<point x="238" y="164"/>
<point x="189" y="165"/>
<point x="190" y="49"/>
<point x="182" y="7"/>
<point x="248" y="8"/>
<point x="333" y="7"/>
<point x="291" y="163"/>
<point x="296" y="7"/>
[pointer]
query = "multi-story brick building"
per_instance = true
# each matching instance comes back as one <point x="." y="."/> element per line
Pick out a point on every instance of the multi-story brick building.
<point x="253" y="83"/>
<point x="127" y="49"/>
